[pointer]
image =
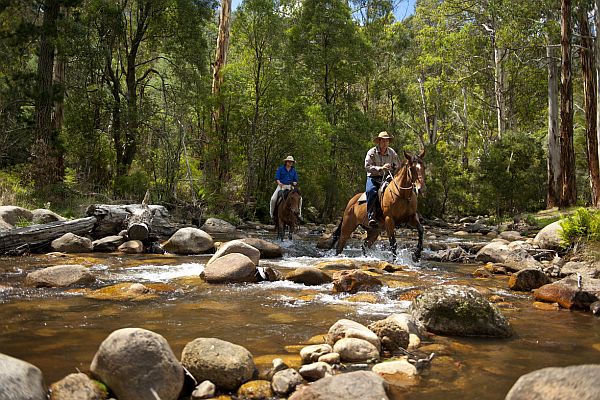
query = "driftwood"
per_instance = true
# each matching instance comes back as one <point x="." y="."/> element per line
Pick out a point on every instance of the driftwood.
<point x="20" y="240"/>
<point x="112" y="219"/>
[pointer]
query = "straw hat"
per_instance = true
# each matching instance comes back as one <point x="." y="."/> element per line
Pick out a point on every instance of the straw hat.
<point x="383" y="135"/>
<point x="289" y="158"/>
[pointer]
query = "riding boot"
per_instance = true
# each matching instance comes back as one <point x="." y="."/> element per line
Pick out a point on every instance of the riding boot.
<point x="372" y="214"/>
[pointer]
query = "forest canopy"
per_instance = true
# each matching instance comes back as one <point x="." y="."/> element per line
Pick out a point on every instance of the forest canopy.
<point x="111" y="98"/>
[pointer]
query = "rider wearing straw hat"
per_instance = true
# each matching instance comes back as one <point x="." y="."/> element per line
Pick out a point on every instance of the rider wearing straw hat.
<point x="379" y="160"/>
<point x="286" y="177"/>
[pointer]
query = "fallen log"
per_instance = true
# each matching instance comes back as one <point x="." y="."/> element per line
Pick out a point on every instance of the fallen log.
<point x="112" y="219"/>
<point x="140" y="221"/>
<point x="35" y="237"/>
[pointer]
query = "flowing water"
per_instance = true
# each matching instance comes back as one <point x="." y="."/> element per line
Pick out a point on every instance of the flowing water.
<point x="60" y="330"/>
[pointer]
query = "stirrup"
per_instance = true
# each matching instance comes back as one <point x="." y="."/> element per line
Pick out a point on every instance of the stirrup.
<point x="373" y="223"/>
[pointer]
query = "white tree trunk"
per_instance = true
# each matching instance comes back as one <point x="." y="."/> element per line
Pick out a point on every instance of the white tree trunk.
<point x="499" y="79"/>
<point x="553" y="132"/>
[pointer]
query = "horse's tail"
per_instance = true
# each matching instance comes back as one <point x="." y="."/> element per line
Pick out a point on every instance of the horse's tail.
<point x="335" y="236"/>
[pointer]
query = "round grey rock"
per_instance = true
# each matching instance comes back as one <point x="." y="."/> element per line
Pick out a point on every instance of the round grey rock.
<point x="20" y="380"/>
<point x="576" y="382"/>
<point x="136" y="364"/>
<point x="358" y="385"/>
<point x="225" y="364"/>
<point x="189" y="241"/>
<point x="60" y="276"/>
<point x="230" y="268"/>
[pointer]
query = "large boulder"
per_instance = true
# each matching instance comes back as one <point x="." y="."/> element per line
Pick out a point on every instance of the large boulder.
<point x="108" y="244"/>
<point x="309" y="276"/>
<point x="502" y="251"/>
<point x="60" y="276"/>
<point x="189" y="241"/>
<point x="218" y="226"/>
<point x="132" y="247"/>
<point x="345" y="328"/>
<point x="225" y="364"/>
<point x="352" y="281"/>
<point x="391" y="334"/>
<point x="44" y="216"/>
<point x="13" y="214"/>
<point x="358" y="385"/>
<point x="460" y="311"/>
<point x="77" y="387"/>
<point x="549" y="237"/>
<point x="569" y="294"/>
<point x="267" y="249"/>
<point x="137" y="364"/>
<point x="575" y="382"/>
<point x="356" y="350"/>
<point x="528" y="279"/>
<point x="72" y="243"/>
<point x="232" y="268"/>
<point x="20" y="380"/>
<point x="237" y="246"/>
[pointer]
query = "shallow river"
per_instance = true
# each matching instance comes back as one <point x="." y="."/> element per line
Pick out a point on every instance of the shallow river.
<point x="59" y="331"/>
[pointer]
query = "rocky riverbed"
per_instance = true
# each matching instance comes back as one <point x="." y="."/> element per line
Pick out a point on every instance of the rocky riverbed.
<point x="462" y="321"/>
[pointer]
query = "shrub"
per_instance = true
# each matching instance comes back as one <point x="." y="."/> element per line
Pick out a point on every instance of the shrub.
<point x="582" y="226"/>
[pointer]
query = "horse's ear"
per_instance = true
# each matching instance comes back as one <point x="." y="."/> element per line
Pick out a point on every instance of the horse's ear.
<point x="408" y="156"/>
<point x="422" y="154"/>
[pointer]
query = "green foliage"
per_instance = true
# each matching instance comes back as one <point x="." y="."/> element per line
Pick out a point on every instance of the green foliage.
<point x="583" y="225"/>
<point x="132" y="186"/>
<point x="13" y="190"/>
<point x="512" y="175"/>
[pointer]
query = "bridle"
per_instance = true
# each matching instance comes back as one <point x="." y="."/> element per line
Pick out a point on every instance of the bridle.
<point x="412" y="187"/>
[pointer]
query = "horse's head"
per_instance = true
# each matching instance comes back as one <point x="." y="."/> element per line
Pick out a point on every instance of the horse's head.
<point x="416" y="168"/>
<point x="293" y="201"/>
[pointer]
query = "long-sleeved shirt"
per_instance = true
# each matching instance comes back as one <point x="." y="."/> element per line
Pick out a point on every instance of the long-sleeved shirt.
<point x="286" y="177"/>
<point x="375" y="160"/>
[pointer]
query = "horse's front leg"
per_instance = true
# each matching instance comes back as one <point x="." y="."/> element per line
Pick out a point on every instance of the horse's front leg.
<point x="390" y="228"/>
<point x="291" y="228"/>
<point x="415" y="223"/>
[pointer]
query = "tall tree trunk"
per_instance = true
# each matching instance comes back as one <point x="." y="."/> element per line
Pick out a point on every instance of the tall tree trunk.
<point x="47" y="157"/>
<point x="251" y="168"/>
<point x="426" y="115"/>
<point x="597" y="70"/>
<point x="553" y="195"/>
<point x="589" y="99"/>
<point x="218" y="155"/>
<point x="568" y="188"/>
<point x="499" y="78"/>
<point x="465" y="121"/>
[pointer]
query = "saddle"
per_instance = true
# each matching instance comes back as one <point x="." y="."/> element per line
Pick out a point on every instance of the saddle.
<point x="363" y="197"/>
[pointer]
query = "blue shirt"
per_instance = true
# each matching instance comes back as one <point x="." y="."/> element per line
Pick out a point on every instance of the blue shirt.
<point x="286" y="177"/>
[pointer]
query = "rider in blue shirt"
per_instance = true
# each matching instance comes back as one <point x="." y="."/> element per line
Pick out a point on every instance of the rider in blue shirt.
<point x="286" y="177"/>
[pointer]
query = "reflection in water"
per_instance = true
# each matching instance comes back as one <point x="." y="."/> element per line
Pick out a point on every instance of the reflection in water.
<point x="60" y="331"/>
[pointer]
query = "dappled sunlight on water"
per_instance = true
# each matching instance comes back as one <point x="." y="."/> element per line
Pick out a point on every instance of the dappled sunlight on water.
<point x="60" y="331"/>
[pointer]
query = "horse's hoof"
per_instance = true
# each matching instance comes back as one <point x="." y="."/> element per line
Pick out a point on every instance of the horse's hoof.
<point x="416" y="257"/>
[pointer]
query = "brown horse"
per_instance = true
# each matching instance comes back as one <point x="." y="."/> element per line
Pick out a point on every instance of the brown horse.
<point x="398" y="206"/>
<point x="287" y="212"/>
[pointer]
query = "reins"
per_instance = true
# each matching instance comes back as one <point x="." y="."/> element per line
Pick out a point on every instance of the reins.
<point x="411" y="187"/>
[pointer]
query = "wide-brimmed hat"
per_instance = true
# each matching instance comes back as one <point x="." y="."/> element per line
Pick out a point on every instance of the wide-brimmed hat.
<point x="383" y="135"/>
<point x="289" y="158"/>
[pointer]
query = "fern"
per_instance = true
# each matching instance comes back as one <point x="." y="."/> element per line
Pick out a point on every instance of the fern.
<point x="581" y="226"/>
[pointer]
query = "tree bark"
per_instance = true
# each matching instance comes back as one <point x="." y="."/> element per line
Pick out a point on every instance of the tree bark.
<point x="568" y="188"/>
<point x="589" y="99"/>
<point x="553" y="195"/>
<point x="48" y="163"/>
<point x="37" y="236"/>
<point x="465" y="120"/>
<point x="219" y="157"/>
